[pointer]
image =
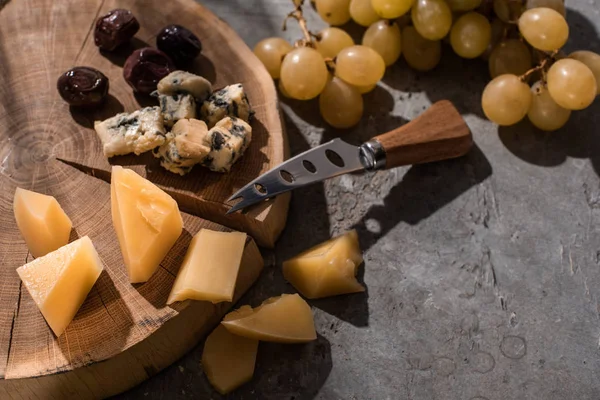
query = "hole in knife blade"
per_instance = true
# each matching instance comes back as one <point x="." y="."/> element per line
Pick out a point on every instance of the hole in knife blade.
<point x="260" y="188"/>
<point x="310" y="167"/>
<point x="334" y="158"/>
<point x="286" y="176"/>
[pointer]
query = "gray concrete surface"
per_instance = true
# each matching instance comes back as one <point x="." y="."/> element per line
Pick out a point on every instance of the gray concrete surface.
<point x="483" y="273"/>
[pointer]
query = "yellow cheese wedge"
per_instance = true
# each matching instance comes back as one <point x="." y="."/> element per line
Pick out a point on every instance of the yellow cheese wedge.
<point x="60" y="281"/>
<point x="210" y="267"/>
<point x="147" y="221"/>
<point x="284" y="319"/>
<point x="42" y="222"/>
<point x="328" y="269"/>
<point x="228" y="360"/>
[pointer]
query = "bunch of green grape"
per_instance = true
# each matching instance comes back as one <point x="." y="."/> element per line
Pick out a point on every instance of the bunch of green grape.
<point x="519" y="39"/>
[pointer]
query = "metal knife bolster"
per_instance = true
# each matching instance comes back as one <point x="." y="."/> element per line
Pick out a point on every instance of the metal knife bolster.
<point x="309" y="167"/>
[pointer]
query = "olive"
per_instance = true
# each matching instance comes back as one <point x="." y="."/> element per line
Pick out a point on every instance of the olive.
<point x="145" y="67"/>
<point x="115" y="28"/>
<point x="83" y="86"/>
<point x="179" y="43"/>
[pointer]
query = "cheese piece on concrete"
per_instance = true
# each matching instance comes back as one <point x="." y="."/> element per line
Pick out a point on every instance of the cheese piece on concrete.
<point x="42" y="221"/>
<point x="329" y="269"/>
<point x="210" y="267"/>
<point x="228" y="360"/>
<point x="284" y="319"/>
<point x="60" y="281"/>
<point x="147" y="222"/>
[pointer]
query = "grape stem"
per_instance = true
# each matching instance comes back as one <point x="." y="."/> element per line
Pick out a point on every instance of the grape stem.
<point x="541" y="66"/>
<point x="307" y="41"/>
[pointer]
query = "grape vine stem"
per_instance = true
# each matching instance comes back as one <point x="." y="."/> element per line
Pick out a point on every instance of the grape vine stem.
<point x="541" y="66"/>
<point x="298" y="16"/>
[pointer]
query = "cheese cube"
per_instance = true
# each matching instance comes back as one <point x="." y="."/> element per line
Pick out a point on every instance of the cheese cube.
<point x="229" y="139"/>
<point x="181" y="82"/>
<point x="147" y="222"/>
<point x="328" y="269"/>
<point x="284" y="319"/>
<point x="210" y="267"/>
<point x="228" y="360"/>
<point x="42" y="222"/>
<point x="231" y="101"/>
<point x="176" y="107"/>
<point x="60" y="281"/>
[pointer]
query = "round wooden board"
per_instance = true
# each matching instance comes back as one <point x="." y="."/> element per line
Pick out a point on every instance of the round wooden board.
<point x="122" y="334"/>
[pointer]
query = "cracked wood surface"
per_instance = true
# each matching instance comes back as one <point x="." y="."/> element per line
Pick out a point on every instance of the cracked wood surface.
<point x="122" y="334"/>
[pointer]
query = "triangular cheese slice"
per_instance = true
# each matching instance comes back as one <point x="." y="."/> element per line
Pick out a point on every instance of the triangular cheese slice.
<point x="228" y="360"/>
<point x="284" y="319"/>
<point x="60" y="281"/>
<point x="210" y="267"/>
<point x="147" y="222"/>
<point x="327" y="269"/>
<point x="42" y="222"/>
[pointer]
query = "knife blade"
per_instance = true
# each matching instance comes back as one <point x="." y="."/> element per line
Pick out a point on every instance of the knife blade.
<point x="437" y="134"/>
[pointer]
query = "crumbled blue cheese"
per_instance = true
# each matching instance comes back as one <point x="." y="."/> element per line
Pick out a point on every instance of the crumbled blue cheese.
<point x="176" y="107"/>
<point x="231" y="101"/>
<point x="138" y="132"/>
<point x="187" y="144"/>
<point x="178" y="82"/>
<point x="229" y="138"/>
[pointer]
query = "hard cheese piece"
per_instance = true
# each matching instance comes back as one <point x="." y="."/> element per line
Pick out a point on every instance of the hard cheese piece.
<point x="231" y="101"/>
<point x="210" y="267"/>
<point x="137" y="132"/>
<point x="42" y="221"/>
<point x="229" y="139"/>
<point x="187" y="144"/>
<point x="328" y="269"/>
<point x="60" y="281"/>
<point x="228" y="360"/>
<point x="147" y="222"/>
<point x="284" y="319"/>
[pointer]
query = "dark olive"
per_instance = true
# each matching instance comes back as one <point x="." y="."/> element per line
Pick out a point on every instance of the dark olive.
<point x="145" y="67"/>
<point x="83" y="86"/>
<point x="179" y="43"/>
<point x="115" y="28"/>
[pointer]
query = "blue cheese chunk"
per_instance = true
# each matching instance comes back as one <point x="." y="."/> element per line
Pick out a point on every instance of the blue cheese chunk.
<point x="231" y="101"/>
<point x="229" y="138"/>
<point x="187" y="144"/>
<point x="176" y="107"/>
<point x="181" y="82"/>
<point x="137" y="132"/>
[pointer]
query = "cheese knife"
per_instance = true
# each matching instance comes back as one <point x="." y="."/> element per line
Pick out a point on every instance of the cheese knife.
<point x="439" y="133"/>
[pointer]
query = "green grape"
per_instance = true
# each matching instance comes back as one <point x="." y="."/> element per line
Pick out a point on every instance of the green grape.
<point x="507" y="10"/>
<point x="544" y="113"/>
<point x="390" y="9"/>
<point x="359" y="66"/>
<point x="497" y="34"/>
<point x="506" y="100"/>
<point x="270" y="52"/>
<point x="282" y="90"/>
<point x="420" y="54"/>
<point x="544" y="28"/>
<point x="341" y="105"/>
<point x="556" y="5"/>
<point x="303" y="73"/>
<point x="463" y="5"/>
<point x="334" y="12"/>
<point x="333" y="40"/>
<point x="592" y="61"/>
<point x="431" y="18"/>
<point x="384" y="37"/>
<point x="471" y="35"/>
<point x="365" y="89"/>
<point x="362" y="12"/>
<point x="571" y="84"/>
<point x="511" y="56"/>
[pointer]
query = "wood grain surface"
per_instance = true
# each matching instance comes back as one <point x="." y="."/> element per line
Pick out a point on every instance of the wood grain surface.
<point x="122" y="334"/>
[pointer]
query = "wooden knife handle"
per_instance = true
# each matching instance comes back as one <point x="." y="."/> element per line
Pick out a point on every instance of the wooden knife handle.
<point x="437" y="134"/>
